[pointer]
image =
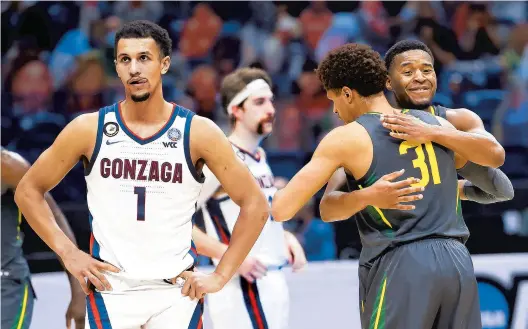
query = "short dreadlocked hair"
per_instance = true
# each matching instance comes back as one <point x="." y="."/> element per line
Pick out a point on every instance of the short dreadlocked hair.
<point x="356" y="66"/>
<point x="145" y="29"/>
<point x="403" y="46"/>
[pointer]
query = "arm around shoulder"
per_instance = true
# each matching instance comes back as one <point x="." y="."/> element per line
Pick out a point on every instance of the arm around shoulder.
<point x="470" y="123"/>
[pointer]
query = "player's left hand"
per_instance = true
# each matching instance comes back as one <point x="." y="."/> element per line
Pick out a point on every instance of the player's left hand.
<point x="76" y="309"/>
<point x="407" y="127"/>
<point x="198" y="284"/>
<point x="296" y="256"/>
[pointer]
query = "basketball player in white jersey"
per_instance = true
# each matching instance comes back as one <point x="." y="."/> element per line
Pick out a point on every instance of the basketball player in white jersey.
<point x="143" y="160"/>
<point x="258" y="297"/>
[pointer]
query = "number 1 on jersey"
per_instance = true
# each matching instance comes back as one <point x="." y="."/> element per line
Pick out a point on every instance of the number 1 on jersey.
<point x="140" y="191"/>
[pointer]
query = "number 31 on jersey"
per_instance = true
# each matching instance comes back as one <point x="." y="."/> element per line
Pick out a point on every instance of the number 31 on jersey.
<point x="419" y="162"/>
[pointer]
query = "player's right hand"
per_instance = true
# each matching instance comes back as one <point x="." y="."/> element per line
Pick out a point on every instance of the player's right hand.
<point x="198" y="284"/>
<point x="86" y="269"/>
<point x="386" y="194"/>
<point x="252" y="269"/>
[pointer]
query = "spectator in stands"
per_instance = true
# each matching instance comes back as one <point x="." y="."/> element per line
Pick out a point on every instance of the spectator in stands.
<point x="86" y="86"/>
<point x="315" y="19"/>
<point x="30" y="85"/>
<point x="439" y="38"/>
<point x="203" y="87"/>
<point x="135" y="10"/>
<point x="476" y="30"/>
<point x="200" y="32"/>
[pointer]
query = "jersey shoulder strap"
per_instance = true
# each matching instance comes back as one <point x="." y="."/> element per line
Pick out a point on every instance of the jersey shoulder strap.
<point x="438" y="110"/>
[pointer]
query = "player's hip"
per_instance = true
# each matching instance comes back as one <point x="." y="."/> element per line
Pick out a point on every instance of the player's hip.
<point x="436" y="258"/>
<point x="152" y="309"/>
<point x="147" y="277"/>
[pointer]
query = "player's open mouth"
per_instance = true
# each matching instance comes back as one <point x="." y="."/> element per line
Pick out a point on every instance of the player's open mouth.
<point x="138" y="82"/>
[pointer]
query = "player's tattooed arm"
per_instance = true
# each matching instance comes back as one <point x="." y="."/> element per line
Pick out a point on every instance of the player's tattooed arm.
<point x="471" y="142"/>
<point x="209" y="144"/>
<point x="76" y="140"/>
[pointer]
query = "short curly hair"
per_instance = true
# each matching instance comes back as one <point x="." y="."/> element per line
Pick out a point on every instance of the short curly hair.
<point x="356" y="66"/>
<point x="403" y="46"/>
<point x="145" y="29"/>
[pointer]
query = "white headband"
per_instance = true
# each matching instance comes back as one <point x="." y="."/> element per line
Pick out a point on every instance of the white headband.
<point x="259" y="88"/>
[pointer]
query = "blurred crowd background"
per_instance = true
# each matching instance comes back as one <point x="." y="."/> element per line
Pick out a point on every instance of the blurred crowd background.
<point x="57" y="63"/>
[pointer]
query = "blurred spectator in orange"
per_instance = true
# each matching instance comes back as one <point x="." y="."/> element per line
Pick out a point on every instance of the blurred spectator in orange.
<point x="289" y="132"/>
<point x="203" y="87"/>
<point x="86" y="85"/>
<point x="311" y="99"/>
<point x="315" y="19"/>
<point x="200" y="32"/>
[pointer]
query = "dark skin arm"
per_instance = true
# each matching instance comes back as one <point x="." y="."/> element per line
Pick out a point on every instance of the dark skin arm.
<point x="470" y="140"/>
<point x="14" y="167"/>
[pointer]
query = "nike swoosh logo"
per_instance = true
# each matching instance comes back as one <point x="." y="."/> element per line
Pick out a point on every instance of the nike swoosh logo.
<point x="108" y="142"/>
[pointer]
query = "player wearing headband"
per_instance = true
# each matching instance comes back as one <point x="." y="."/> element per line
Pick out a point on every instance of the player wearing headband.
<point x="258" y="297"/>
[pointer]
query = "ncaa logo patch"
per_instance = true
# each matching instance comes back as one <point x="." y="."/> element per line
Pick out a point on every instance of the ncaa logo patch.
<point x="110" y="129"/>
<point x="174" y="134"/>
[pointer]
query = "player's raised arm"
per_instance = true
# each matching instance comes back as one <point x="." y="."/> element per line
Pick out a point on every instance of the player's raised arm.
<point x="77" y="139"/>
<point x="209" y="143"/>
<point x="311" y="178"/>
<point x="476" y="145"/>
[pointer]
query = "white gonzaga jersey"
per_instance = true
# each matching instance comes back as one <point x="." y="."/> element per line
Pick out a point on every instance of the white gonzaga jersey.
<point x="220" y="213"/>
<point x="142" y="195"/>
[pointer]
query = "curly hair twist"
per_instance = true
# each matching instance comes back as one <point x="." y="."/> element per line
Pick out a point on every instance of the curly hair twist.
<point x="356" y="66"/>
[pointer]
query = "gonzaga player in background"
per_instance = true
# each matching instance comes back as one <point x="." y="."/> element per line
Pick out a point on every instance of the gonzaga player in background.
<point x="143" y="159"/>
<point x="258" y="298"/>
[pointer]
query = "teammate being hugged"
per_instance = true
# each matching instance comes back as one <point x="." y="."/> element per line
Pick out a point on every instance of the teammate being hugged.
<point x="258" y="298"/>
<point x="143" y="160"/>
<point x="415" y="271"/>
<point x="412" y="79"/>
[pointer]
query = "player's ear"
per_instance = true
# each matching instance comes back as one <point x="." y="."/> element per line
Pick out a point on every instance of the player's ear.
<point x="388" y="84"/>
<point x="347" y="92"/>
<point x="237" y="112"/>
<point x="165" y="64"/>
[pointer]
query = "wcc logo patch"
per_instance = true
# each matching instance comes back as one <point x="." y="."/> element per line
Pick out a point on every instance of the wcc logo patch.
<point x="110" y="129"/>
<point x="174" y="135"/>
